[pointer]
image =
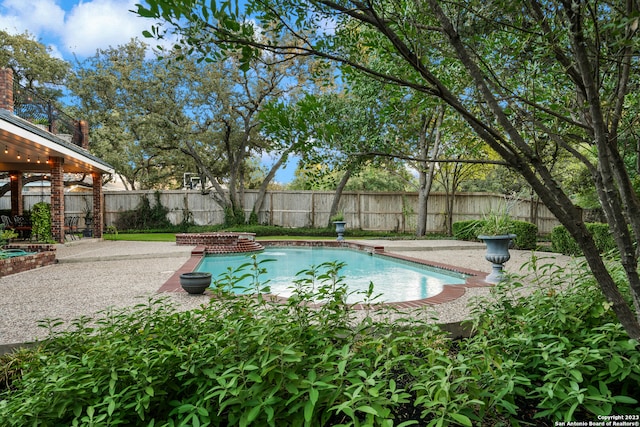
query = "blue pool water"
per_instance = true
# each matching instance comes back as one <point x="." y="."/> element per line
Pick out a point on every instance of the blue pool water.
<point x="396" y="280"/>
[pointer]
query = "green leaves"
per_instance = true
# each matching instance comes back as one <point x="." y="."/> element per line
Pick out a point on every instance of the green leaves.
<point x="247" y="361"/>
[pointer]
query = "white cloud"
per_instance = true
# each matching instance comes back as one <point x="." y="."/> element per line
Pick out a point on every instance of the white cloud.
<point x="101" y="24"/>
<point x="38" y="17"/>
<point x="77" y="27"/>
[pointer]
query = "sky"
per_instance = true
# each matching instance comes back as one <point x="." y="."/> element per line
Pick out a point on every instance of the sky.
<point x="77" y="28"/>
<point x="74" y="27"/>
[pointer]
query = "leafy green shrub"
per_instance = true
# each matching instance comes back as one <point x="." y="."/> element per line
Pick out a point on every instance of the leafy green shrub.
<point x="6" y="235"/>
<point x="41" y="222"/>
<point x="466" y="230"/>
<point x="562" y="242"/>
<point x="236" y="361"/>
<point x="559" y="352"/>
<point x="602" y="237"/>
<point x="526" y="232"/>
<point x="233" y="216"/>
<point x="145" y="216"/>
<point x="526" y="235"/>
<point x="556" y="355"/>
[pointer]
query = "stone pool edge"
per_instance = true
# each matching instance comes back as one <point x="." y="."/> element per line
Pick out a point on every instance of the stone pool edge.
<point x="475" y="279"/>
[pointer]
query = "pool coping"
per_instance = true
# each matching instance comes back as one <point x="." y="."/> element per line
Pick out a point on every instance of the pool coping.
<point x="475" y="278"/>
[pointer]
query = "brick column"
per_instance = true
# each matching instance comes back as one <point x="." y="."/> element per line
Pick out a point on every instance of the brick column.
<point x="98" y="211"/>
<point x="16" y="193"/>
<point x="57" y="199"/>
<point x="6" y="89"/>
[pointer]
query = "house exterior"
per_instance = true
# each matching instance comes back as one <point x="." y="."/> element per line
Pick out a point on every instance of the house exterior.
<point x="26" y="148"/>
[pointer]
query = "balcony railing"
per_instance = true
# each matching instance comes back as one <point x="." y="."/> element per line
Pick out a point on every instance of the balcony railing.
<point x="30" y="106"/>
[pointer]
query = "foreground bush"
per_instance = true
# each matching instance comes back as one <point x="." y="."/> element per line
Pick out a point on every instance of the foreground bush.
<point x="237" y="361"/>
<point x="557" y="355"/>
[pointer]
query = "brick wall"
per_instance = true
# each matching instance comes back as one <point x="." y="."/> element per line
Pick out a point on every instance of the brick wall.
<point x="26" y="262"/>
<point x="98" y="210"/>
<point x="220" y="243"/>
<point x="6" y="89"/>
<point x="57" y="199"/>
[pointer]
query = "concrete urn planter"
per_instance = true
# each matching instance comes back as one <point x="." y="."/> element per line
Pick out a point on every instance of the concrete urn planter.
<point x="196" y="282"/>
<point x="497" y="254"/>
<point x="340" y="229"/>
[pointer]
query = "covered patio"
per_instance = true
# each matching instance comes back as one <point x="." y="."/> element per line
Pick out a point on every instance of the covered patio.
<point x="26" y="148"/>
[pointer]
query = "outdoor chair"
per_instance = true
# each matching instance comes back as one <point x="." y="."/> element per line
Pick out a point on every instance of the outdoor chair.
<point x="6" y="220"/>
<point x="22" y="226"/>
<point x="71" y="227"/>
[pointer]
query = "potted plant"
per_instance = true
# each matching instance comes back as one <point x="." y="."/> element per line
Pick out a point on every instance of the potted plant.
<point x="495" y="232"/>
<point x="196" y="282"/>
<point x="6" y="235"/>
<point x="339" y="222"/>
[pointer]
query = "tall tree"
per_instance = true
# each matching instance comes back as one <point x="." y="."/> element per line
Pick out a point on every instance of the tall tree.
<point x="31" y="61"/>
<point x="336" y="130"/>
<point x="229" y="100"/>
<point x="125" y="95"/>
<point x="159" y="117"/>
<point x="546" y="75"/>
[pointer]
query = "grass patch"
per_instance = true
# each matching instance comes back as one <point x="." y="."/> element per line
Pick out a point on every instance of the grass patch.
<point x="261" y="232"/>
<point x="142" y="237"/>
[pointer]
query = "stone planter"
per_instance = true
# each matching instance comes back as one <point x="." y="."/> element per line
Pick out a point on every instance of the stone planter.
<point x="340" y="229"/>
<point x="497" y="254"/>
<point x="196" y="282"/>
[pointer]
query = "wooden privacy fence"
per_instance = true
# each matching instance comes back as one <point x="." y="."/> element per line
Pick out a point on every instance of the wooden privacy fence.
<point x="363" y="210"/>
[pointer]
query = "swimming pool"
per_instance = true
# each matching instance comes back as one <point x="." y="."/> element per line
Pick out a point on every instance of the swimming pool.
<point x="394" y="279"/>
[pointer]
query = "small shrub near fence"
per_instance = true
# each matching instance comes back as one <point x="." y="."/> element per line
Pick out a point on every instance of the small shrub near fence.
<point x="467" y="230"/>
<point x="561" y="240"/>
<point x="526" y="232"/>
<point x="526" y="235"/>
<point x="145" y="216"/>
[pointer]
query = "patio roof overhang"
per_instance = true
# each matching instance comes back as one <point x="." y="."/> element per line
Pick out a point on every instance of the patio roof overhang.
<point x="35" y="146"/>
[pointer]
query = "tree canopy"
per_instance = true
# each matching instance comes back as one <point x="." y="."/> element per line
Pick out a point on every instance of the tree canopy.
<point x="156" y="117"/>
<point x="532" y="79"/>
<point x="31" y="61"/>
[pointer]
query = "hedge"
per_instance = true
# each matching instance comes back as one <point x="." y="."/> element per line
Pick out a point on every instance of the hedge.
<point x="561" y="240"/>
<point x="526" y="232"/>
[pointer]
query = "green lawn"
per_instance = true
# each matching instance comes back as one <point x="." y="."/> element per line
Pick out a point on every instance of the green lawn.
<point x="142" y="237"/>
<point x="171" y="237"/>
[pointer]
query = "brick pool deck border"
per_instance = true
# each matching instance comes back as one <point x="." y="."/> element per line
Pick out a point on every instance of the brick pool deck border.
<point x="475" y="279"/>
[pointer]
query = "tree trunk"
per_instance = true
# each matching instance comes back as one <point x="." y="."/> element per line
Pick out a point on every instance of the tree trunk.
<point x="265" y="183"/>
<point x="338" y="194"/>
<point x="427" y="169"/>
<point x="516" y="151"/>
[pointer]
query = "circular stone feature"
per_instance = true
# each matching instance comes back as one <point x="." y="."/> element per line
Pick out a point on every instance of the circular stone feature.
<point x="221" y="243"/>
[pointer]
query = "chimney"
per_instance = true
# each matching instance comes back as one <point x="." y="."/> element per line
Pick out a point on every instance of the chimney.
<point x="81" y="134"/>
<point x="6" y="89"/>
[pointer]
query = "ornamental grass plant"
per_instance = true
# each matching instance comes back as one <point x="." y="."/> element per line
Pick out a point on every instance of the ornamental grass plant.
<point x="555" y="355"/>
